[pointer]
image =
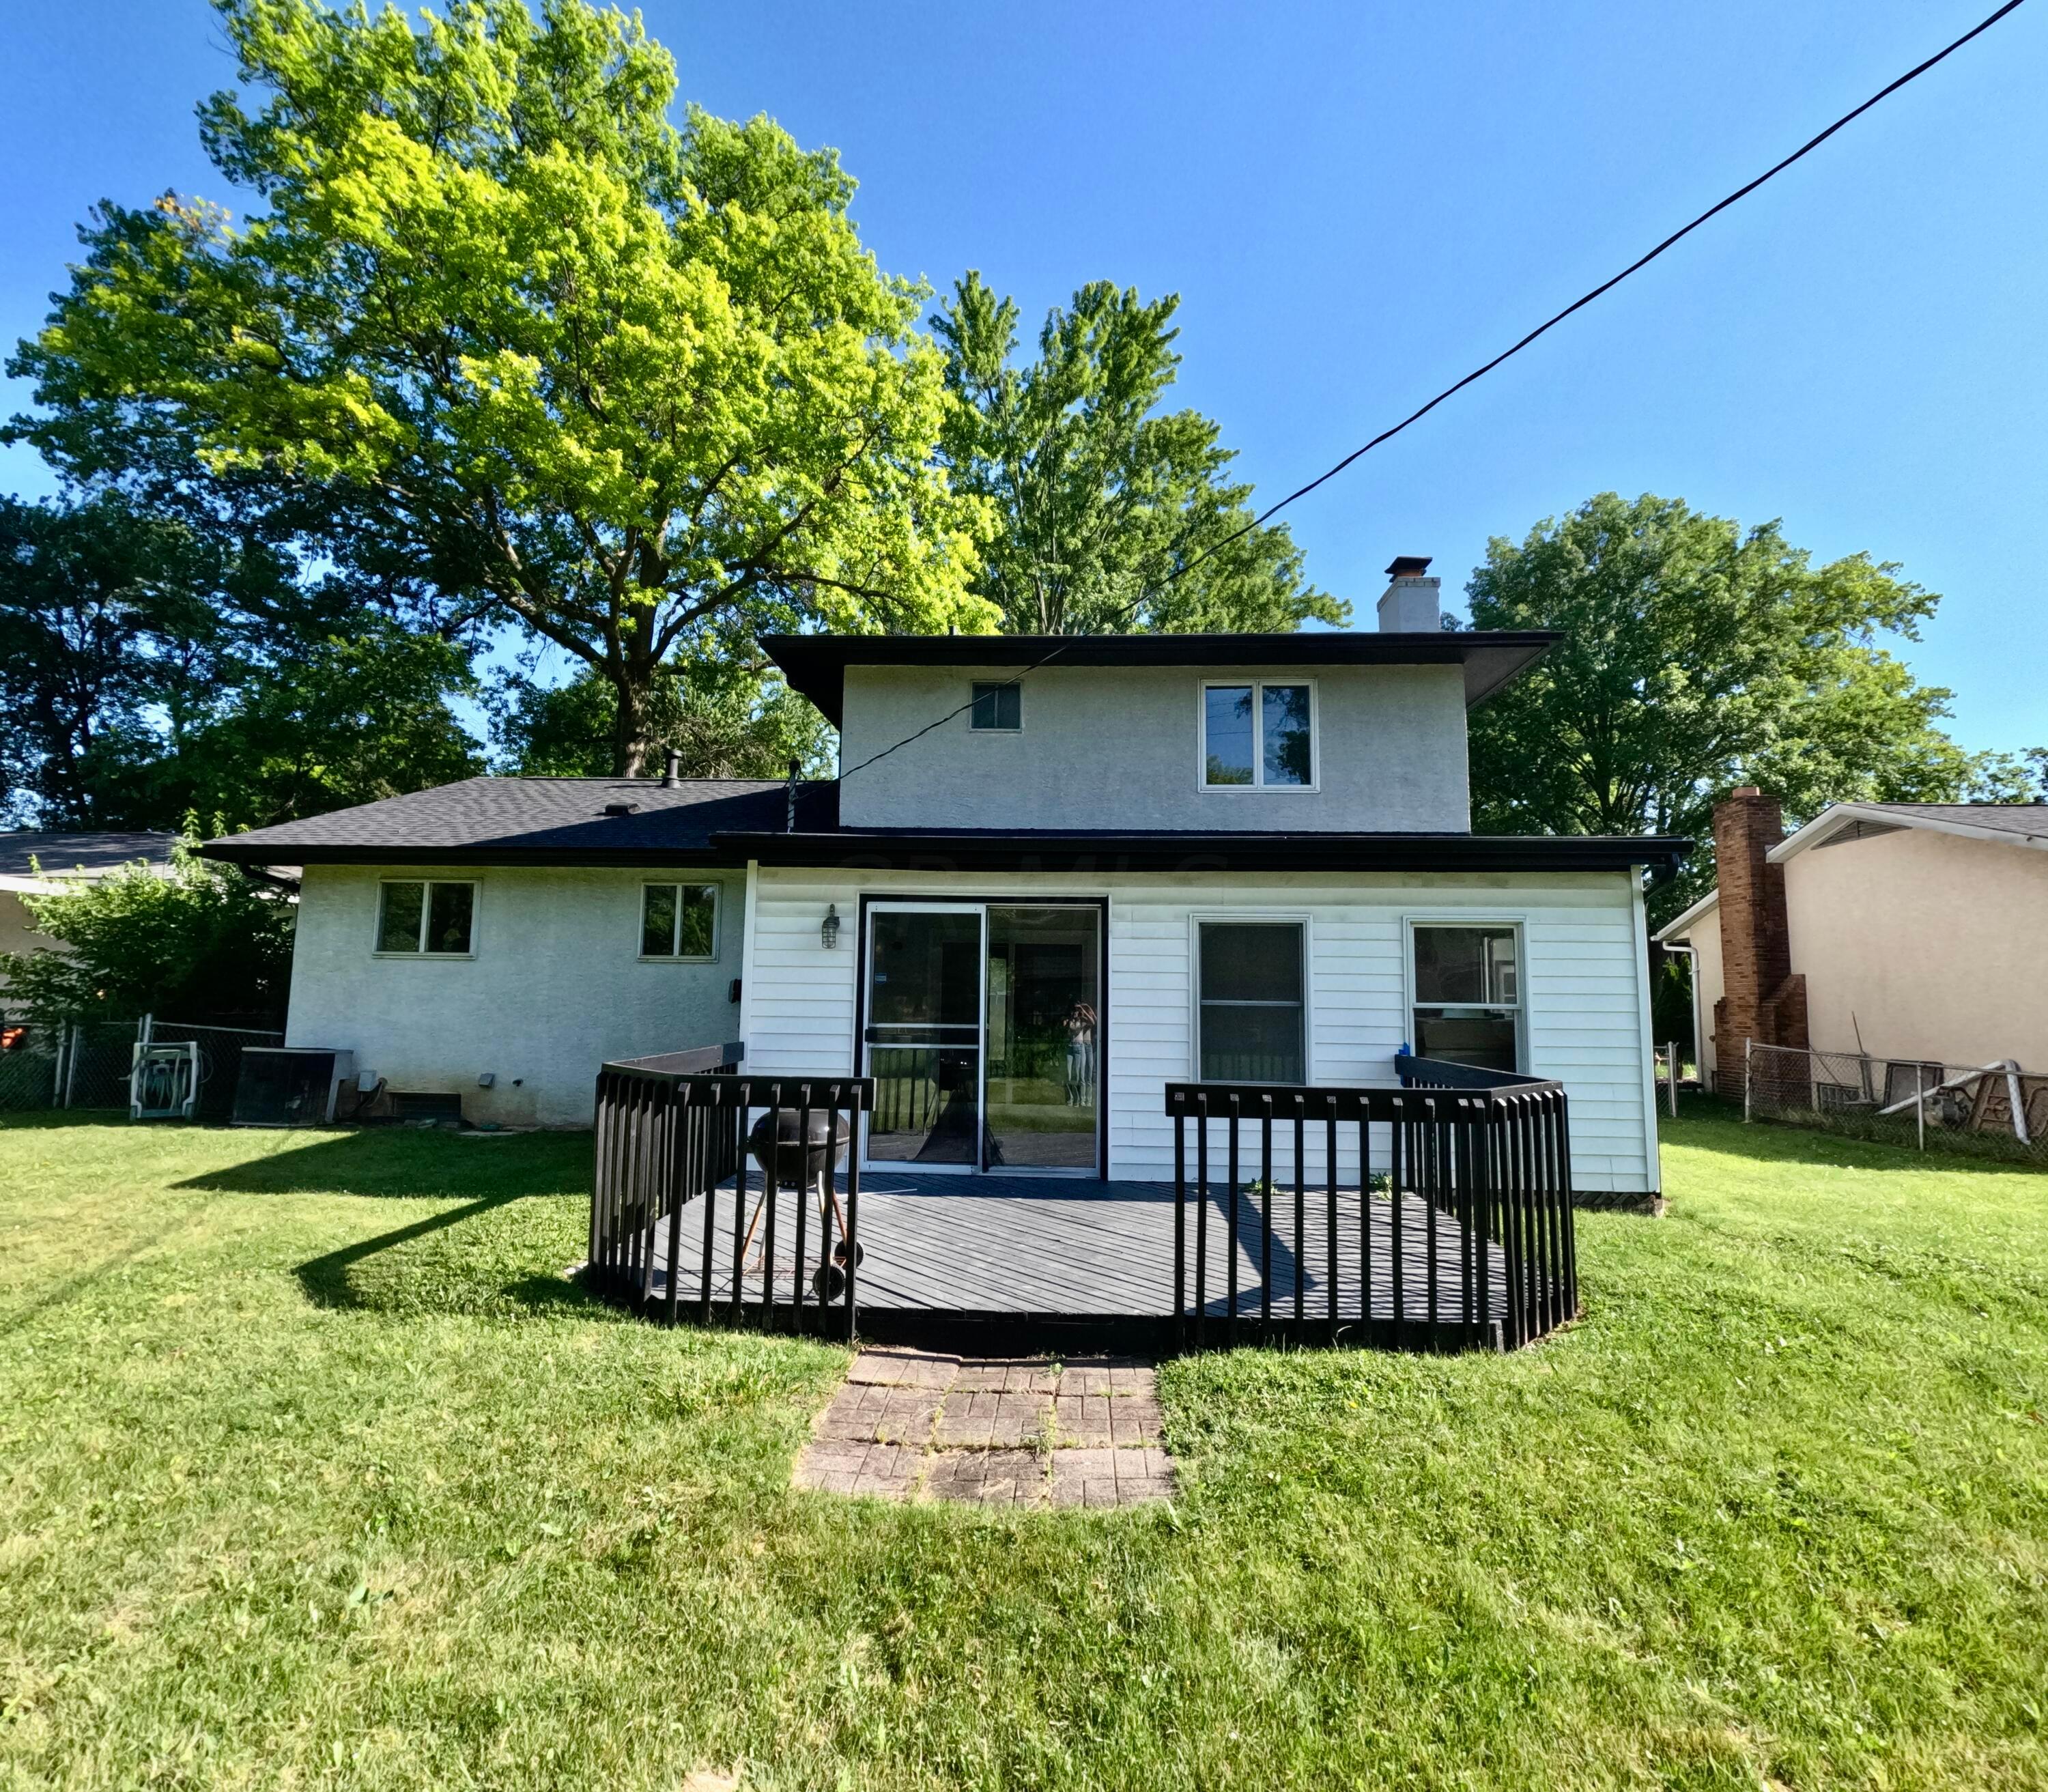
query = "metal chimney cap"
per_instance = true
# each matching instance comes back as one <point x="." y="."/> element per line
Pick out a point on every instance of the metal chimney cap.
<point x="1408" y="566"/>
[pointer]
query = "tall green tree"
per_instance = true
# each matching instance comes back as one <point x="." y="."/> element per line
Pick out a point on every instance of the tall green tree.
<point x="496" y="319"/>
<point x="1104" y="499"/>
<point x="152" y="664"/>
<point x="723" y="717"/>
<point x="1697" y="656"/>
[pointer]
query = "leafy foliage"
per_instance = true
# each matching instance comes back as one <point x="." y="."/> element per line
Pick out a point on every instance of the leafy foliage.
<point x="1698" y="656"/>
<point x="202" y="943"/>
<point x="1101" y="499"/>
<point x="725" y="720"/>
<point x="621" y="384"/>
<point x="154" y="664"/>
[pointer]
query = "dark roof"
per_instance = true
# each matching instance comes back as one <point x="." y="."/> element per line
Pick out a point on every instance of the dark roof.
<point x="815" y="665"/>
<point x="535" y="821"/>
<point x="1088" y="850"/>
<point x="58" y="852"/>
<point x="561" y="821"/>
<point x="2027" y="819"/>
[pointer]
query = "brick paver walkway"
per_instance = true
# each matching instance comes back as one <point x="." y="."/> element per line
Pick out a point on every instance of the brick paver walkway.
<point x="995" y="1431"/>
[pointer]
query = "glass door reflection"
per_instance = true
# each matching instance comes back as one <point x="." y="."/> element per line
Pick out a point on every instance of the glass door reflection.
<point x="924" y="1034"/>
<point x="1043" y="1028"/>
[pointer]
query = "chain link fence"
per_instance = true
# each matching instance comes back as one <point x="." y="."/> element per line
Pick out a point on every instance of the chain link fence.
<point x="86" y="1063"/>
<point x="1984" y="1110"/>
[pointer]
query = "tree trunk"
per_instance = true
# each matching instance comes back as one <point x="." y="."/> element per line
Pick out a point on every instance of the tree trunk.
<point x="629" y="729"/>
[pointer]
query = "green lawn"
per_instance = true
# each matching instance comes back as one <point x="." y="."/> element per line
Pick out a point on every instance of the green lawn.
<point x="313" y="1472"/>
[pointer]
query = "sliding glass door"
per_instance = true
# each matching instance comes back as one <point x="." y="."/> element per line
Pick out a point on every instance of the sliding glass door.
<point x="983" y="1033"/>
<point x="924" y="1034"/>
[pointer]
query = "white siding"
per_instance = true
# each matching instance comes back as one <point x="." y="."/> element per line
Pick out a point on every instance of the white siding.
<point x="1585" y="988"/>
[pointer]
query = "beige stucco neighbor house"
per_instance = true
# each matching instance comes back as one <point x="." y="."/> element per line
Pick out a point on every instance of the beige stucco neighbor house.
<point x="1903" y="930"/>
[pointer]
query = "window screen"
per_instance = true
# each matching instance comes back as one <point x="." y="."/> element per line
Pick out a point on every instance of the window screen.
<point x="679" y="920"/>
<point x="998" y="708"/>
<point x="1251" y="1003"/>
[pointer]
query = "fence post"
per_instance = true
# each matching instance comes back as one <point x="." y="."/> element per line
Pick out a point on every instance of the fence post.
<point x="71" y="1064"/>
<point x="146" y="1029"/>
<point x="1920" y="1104"/>
<point x="1749" y="1078"/>
<point x="1673" y="1050"/>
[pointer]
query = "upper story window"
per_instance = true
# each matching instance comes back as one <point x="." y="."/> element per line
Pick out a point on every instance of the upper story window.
<point x="997" y="709"/>
<point x="1259" y="737"/>
<point x="1468" y="986"/>
<point x="679" y="920"/>
<point x="1252" y="1002"/>
<point x="426" y="919"/>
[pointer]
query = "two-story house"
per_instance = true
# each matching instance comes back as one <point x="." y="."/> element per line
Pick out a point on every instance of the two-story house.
<point x="1054" y="874"/>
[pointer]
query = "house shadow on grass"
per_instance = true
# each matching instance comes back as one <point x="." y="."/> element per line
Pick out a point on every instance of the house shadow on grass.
<point x="500" y="1252"/>
<point x="399" y="1163"/>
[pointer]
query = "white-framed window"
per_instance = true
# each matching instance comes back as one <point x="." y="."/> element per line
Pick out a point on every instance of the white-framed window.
<point x="997" y="709"/>
<point x="1466" y="978"/>
<point x="679" y="921"/>
<point x="425" y="917"/>
<point x="1258" y="734"/>
<point x="1251" y="1001"/>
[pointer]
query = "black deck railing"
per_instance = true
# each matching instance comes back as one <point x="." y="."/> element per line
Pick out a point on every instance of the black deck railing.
<point x="672" y="1132"/>
<point x="1467" y="1241"/>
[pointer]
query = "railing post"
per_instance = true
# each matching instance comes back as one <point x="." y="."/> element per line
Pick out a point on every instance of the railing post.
<point x="1201" y="1219"/>
<point x="810" y="1189"/>
<point x="1180" y="1118"/>
<point x="1365" y="1222"/>
<point x="1300" y="1241"/>
<point x="1266" y="1218"/>
<point x="1330" y="1223"/>
<point x="1230" y="1265"/>
<point x="852" y="1209"/>
<point x="724" y="1123"/>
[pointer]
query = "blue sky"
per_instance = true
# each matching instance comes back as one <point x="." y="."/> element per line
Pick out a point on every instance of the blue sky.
<point x="1358" y="203"/>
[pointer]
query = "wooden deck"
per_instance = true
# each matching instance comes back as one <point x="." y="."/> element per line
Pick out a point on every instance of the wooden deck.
<point x="1077" y="1252"/>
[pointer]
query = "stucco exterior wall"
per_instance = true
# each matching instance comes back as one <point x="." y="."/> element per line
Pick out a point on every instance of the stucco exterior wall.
<point x="1936" y="944"/>
<point x="554" y="986"/>
<point x="1585" y="980"/>
<point x="1120" y="748"/>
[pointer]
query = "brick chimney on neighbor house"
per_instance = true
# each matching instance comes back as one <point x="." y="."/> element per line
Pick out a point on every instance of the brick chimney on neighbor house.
<point x="1410" y="605"/>
<point x="1762" y="998"/>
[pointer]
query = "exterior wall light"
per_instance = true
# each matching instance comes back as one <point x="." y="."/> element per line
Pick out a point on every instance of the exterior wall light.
<point x="828" y="932"/>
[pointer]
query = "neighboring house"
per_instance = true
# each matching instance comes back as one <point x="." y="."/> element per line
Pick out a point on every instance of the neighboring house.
<point x="1024" y="907"/>
<point x="1903" y="930"/>
<point x="32" y="863"/>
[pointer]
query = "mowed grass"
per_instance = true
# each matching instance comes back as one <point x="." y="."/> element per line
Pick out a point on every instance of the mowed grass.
<point x="315" y="1473"/>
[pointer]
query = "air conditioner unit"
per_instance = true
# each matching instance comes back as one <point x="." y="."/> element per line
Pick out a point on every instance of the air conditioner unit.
<point x="290" y="1085"/>
<point x="163" y="1081"/>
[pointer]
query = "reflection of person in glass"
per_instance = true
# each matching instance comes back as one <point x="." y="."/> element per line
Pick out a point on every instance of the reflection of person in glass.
<point x="1080" y="1055"/>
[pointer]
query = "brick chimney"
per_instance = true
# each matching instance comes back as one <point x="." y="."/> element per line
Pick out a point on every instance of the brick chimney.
<point x="1761" y="999"/>
<point x="1411" y="603"/>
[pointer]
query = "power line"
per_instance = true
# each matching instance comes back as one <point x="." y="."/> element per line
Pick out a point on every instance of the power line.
<point x="1480" y="372"/>
<point x="1807" y="148"/>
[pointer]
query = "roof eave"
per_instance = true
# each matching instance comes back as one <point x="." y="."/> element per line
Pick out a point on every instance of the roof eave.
<point x="881" y="850"/>
<point x="1832" y="820"/>
<point x="491" y="853"/>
